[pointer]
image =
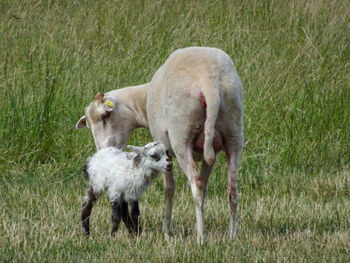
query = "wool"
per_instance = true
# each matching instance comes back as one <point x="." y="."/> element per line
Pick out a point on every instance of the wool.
<point x="124" y="176"/>
<point x="194" y="105"/>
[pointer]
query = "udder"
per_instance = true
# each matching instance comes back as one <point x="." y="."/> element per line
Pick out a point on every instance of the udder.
<point x="199" y="142"/>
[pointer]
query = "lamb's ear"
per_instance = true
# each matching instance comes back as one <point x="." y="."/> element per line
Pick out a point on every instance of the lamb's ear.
<point x="110" y="103"/>
<point x="81" y="123"/>
<point x="136" y="149"/>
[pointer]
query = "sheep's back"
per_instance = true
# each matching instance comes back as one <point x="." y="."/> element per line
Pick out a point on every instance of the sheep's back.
<point x="110" y="169"/>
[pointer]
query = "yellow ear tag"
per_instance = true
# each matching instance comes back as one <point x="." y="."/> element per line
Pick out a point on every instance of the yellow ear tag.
<point x="109" y="103"/>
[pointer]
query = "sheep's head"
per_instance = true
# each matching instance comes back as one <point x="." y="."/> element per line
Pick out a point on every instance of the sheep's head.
<point x="154" y="156"/>
<point x="108" y="120"/>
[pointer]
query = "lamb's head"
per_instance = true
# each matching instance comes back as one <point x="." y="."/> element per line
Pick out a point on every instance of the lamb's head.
<point x="108" y="120"/>
<point x="154" y="156"/>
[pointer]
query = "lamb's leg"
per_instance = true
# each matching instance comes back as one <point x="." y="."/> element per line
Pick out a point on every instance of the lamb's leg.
<point x="126" y="216"/>
<point x="131" y="222"/>
<point x="87" y="205"/>
<point x="233" y="154"/>
<point x="116" y="215"/>
<point x="135" y="215"/>
<point x="169" y="189"/>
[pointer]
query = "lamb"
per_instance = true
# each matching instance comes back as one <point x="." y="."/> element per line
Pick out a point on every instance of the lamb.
<point x="124" y="176"/>
<point x="194" y="105"/>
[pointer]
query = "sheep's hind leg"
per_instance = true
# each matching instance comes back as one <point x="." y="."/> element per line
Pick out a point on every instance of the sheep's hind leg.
<point x="233" y="154"/>
<point x="86" y="210"/>
<point x="116" y="216"/>
<point x="135" y="217"/>
<point x="204" y="175"/>
<point x="126" y="216"/>
<point x="198" y="185"/>
<point x="169" y="189"/>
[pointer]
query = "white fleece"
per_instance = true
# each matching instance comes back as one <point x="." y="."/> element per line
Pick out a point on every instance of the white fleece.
<point x="125" y="174"/>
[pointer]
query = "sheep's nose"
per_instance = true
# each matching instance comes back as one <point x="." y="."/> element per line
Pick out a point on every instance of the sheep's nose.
<point x="169" y="166"/>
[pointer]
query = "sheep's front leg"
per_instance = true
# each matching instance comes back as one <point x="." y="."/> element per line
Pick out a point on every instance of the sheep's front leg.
<point x="116" y="216"/>
<point x="86" y="210"/>
<point x="169" y="189"/>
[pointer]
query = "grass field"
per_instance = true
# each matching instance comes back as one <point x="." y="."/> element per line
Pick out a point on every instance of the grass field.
<point x="294" y="61"/>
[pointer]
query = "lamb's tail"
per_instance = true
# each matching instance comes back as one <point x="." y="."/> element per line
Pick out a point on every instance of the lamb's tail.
<point x="211" y="94"/>
<point x="85" y="169"/>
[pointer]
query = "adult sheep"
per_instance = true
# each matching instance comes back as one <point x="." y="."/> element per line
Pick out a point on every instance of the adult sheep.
<point x="194" y="105"/>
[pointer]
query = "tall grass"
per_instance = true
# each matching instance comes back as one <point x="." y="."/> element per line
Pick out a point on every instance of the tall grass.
<point x="294" y="61"/>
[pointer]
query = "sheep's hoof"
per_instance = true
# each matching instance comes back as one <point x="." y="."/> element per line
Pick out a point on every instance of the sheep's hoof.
<point x="138" y="231"/>
<point x="135" y="231"/>
<point x="113" y="231"/>
<point x="167" y="228"/>
<point x="202" y="239"/>
<point x="232" y="233"/>
<point x="86" y="232"/>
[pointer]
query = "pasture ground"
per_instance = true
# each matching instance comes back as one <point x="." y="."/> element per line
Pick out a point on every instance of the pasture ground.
<point x="294" y="61"/>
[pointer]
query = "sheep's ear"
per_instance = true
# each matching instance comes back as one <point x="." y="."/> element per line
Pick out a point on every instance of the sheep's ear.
<point x="99" y="96"/>
<point x="81" y="123"/>
<point x="136" y="149"/>
<point x="110" y="103"/>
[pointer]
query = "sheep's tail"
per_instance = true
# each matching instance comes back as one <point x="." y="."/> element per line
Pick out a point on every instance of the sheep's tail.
<point x="211" y="94"/>
<point x="85" y="169"/>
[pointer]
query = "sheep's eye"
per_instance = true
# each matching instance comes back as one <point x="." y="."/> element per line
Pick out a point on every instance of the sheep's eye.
<point x="105" y="115"/>
<point x="156" y="157"/>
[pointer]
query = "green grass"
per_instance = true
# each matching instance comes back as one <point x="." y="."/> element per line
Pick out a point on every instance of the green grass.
<point x="294" y="61"/>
